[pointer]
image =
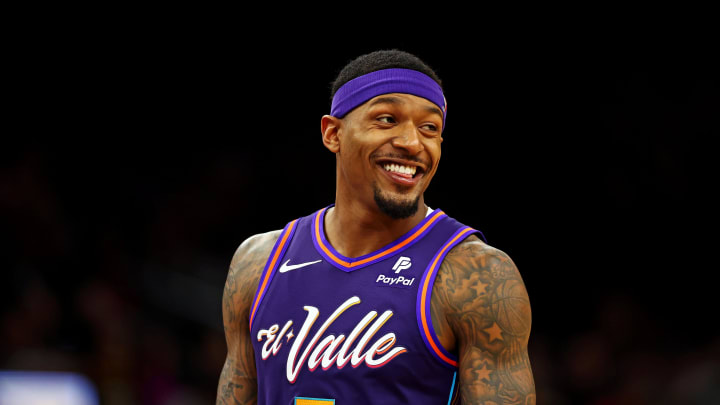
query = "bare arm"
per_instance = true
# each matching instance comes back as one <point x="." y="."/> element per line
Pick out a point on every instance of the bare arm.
<point x="481" y="308"/>
<point x="238" y="380"/>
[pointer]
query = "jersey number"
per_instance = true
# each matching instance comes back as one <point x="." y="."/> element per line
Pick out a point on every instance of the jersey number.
<point x="313" y="401"/>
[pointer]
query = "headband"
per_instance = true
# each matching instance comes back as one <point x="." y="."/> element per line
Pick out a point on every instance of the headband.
<point x="365" y="87"/>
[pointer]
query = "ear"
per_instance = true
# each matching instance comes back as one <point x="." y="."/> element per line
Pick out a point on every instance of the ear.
<point x="330" y="128"/>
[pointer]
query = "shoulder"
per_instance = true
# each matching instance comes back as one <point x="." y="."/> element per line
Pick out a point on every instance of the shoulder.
<point x="479" y="279"/>
<point x="246" y="267"/>
<point x="254" y="249"/>
<point x="475" y="256"/>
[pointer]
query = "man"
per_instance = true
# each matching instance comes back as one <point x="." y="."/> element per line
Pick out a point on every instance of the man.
<point x="377" y="299"/>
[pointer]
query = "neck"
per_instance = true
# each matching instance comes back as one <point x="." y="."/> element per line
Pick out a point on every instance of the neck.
<point x="355" y="229"/>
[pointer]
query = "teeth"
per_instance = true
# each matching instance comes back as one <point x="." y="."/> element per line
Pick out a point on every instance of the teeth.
<point x="400" y="169"/>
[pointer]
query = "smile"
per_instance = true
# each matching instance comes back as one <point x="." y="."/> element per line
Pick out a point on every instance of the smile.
<point x="400" y="169"/>
<point x="402" y="173"/>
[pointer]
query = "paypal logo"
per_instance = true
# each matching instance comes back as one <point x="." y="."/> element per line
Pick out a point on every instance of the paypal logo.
<point x="401" y="264"/>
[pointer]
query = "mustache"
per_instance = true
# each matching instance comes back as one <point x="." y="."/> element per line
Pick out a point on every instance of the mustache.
<point x="378" y="155"/>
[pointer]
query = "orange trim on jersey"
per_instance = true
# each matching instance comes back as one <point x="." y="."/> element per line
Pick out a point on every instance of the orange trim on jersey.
<point x="270" y="269"/>
<point x="389" y="251"/>
<point x="425" y="286"/>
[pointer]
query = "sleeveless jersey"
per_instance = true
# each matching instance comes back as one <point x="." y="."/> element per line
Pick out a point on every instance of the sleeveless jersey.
<point x="329" y="329"/>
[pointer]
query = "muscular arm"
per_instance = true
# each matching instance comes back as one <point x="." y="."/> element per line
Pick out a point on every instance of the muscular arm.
<point x="238" y="381"/>
<point x="481" y="309"/>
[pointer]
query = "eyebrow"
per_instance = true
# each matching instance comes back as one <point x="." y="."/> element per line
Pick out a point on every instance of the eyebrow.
<point x="395" y="100"/>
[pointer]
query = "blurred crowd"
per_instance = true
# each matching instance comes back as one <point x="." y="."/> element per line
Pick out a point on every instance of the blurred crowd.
<point x="133" y="305"/>
<point x="624" y="357"/>
<point x="121" y="281"/>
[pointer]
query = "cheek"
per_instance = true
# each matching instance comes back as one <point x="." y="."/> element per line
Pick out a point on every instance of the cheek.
<point x="353" y="159"/>
<point x="435" y="153"/>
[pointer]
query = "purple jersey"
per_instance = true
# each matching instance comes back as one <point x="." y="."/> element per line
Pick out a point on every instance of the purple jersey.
<point x="332" y="329"/>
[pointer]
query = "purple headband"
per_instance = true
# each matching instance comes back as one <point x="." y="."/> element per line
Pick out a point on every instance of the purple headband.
<point x="365" y="87"/>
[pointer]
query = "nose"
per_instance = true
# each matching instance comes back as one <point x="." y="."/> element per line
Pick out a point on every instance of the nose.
<point x="408" y="139"/>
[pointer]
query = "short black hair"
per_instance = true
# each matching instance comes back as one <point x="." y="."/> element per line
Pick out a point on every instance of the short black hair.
<point x="378" y="60"/>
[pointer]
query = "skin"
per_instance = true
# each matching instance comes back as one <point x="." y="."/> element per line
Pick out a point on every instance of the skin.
<point x="479" y="305"/>
<point x="238" y="380"/>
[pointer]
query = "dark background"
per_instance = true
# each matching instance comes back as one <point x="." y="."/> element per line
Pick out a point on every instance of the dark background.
<point x="136" y="162"/>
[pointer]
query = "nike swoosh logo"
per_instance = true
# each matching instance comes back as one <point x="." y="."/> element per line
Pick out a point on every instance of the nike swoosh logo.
<point x="285" y="266"/>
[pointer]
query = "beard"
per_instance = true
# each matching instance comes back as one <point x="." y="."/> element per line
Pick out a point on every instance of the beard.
<point x="395" y="208"/>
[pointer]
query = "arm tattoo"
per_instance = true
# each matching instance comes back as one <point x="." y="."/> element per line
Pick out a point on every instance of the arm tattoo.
<point x="229" y="390"/>
<point x="482" y="310"/>
<point x="238" y="379"/>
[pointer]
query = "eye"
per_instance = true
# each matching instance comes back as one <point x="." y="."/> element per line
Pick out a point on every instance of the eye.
<point x="386" y="119"/>
<point x="430" y="127"/>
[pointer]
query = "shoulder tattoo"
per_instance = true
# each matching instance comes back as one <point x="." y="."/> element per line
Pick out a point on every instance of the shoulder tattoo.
<point x="482" y="306"/>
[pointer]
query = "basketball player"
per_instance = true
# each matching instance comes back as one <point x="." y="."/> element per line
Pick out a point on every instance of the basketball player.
<point x="378" y="298"/>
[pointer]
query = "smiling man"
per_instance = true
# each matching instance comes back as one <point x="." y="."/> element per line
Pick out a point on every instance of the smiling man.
<point x="378" y="298"/>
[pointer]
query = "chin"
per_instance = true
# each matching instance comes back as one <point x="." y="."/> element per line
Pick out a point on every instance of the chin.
<point x="396" y="206"/>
